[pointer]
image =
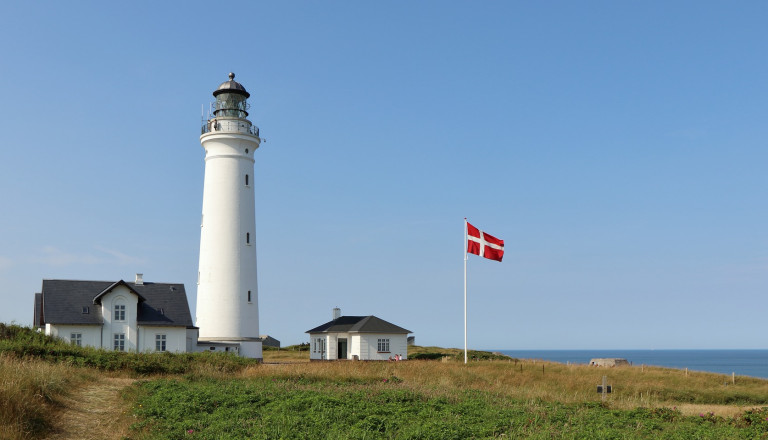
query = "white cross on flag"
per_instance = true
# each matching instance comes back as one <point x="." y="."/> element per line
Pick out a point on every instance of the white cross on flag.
<point x="485" y="245"/>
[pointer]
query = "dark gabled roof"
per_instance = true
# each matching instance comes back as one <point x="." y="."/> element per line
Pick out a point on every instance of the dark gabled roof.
<point x="162" y="304"/>
<point x="358" y="324"/>
<point x="97" y="298"/>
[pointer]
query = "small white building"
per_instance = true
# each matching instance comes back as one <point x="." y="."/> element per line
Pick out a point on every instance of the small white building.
<point x="357" y="337"/>
<point x="138" y="316"/>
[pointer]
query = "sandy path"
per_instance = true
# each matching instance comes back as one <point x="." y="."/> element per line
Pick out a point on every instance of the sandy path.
<point x="95" y="411"/>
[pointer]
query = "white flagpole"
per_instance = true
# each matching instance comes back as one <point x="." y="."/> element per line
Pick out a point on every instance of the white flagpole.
<point x="465" y="290"/>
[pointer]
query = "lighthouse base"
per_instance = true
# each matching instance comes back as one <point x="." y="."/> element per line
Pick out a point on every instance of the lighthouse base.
<point x="249" y="349"/>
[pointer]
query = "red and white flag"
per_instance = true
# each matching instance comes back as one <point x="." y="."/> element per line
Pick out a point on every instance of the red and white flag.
<point x="485" y="245"/>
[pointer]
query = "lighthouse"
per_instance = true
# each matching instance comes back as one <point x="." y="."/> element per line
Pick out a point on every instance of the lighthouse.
<point x="227" y="292"/>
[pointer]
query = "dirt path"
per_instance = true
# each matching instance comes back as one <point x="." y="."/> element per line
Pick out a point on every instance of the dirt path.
<point x="95" y="411"/>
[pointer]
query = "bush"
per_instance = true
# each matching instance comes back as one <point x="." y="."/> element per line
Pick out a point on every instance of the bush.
<point x="24" y="342"/>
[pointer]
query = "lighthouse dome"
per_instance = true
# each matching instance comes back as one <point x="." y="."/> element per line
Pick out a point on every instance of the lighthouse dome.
<point x="231" y="86"/>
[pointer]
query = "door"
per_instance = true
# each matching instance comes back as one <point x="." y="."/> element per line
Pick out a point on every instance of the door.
<point x="342" y="353"/>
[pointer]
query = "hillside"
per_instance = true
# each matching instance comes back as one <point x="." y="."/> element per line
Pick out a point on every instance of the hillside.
<point x="203" y="396"/>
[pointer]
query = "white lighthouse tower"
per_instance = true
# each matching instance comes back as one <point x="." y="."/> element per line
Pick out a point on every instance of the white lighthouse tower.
<point x="227" y="292"/>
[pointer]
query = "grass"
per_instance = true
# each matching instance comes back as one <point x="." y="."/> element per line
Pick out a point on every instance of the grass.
<point x="209" y="396"/>
<point x="30" y="391"/>
<point x="310" y="407"/>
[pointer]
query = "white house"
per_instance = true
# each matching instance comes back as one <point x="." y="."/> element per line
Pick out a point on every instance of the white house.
<point x="357" y="337"/>
<point x="138" y="316"/>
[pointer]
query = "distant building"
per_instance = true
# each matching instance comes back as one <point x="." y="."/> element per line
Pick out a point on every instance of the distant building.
<point x="357" y="337"/>
<point x="609" y="362"/>
<point x="138" y="316"/>
<point x="269" y="341"/>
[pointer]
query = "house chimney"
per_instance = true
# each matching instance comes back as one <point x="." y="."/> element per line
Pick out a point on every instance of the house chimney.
<point x="139" y="279"/>
<point x="336" y="313"/>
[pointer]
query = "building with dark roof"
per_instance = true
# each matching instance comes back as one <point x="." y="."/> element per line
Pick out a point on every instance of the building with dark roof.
<point x="117" y="315"/>
<point x="357" y="337"/>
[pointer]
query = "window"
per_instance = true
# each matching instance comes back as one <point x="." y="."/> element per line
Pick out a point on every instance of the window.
<point x="246" y="181"/>
<point x="249" y="296"/>
<point x="76" y="339"/>
<point x="383" y="345"/>
<point x="159" y="342"/>
<point x="119" y="342"/>
<point x="120" y="312"/>
<point x="86" y="310"/>
<point x="247" y="238"/>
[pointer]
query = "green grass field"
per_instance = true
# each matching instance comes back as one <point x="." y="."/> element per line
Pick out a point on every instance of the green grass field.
<point x="225" y="397"/>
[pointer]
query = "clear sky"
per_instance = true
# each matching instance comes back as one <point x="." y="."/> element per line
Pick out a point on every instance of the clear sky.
<point x="619" y="148"/>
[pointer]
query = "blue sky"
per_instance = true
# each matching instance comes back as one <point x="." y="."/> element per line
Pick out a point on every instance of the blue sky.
<point x="619" y="149"/>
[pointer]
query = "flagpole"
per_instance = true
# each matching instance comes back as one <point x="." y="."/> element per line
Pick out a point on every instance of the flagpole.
<point x="465" y="290"/>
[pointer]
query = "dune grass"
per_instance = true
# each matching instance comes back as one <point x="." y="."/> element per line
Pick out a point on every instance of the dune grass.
<point x="422" y="399"/>
<point x="287" y="396"/>
<point x="30" y="391"/>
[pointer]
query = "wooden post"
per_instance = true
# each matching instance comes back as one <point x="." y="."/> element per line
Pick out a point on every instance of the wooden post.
<point x="542" y="369"/>
<point x="605" y="387"/>
<point x="733" y="378"/>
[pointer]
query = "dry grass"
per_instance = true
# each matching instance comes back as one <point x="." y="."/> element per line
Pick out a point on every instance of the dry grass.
<point x="633" y="387"/>
<point x="94" y="412"/>
<point x="29" y="391"/>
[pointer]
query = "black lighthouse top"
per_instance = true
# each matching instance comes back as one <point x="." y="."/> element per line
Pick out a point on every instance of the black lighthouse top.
<point x="231" y="86"/>
<point x="231" y="99"/>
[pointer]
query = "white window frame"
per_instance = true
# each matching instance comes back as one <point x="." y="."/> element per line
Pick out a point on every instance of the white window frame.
<point x="119" y="312"/>
<point x="76" y="338"/>
<point x="160" y="342"/>
<point x="118" y="342"/>
<point x="382" y="345"/>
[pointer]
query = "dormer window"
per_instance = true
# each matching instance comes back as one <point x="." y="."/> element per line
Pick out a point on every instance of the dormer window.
<point x="86" y="310"/>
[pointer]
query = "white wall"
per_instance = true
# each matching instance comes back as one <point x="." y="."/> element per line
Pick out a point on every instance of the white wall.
<point x="251" y="349"/>
<point x="318" y="351"/>
<point x="398" y="344"/>
<point x="175" y="338"/>
<point x="91" y="334"/>
<point x="364" y="345"/>
<point x="227" y="265"/>
<point x="120" y="295"/>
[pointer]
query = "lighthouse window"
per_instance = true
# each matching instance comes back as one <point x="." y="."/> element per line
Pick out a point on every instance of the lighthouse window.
<point x="247" y="238"/>
<point x="246" y="180"/>
<point x="246" y="151"/>
<point x="249" y="296"/>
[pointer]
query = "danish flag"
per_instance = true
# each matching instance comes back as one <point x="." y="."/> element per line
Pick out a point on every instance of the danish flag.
<point x="485" y="245"/>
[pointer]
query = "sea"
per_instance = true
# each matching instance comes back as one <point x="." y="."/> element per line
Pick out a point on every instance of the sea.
<point x="741" y="362"/>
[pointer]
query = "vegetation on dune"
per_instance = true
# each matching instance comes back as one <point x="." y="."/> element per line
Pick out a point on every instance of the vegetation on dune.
<point x="224" y="396"/>
<point x="23" y="342"/>
<point x="438" y="353"/>
<point x="29" y="390"/>
<point x="297" y="408"/>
